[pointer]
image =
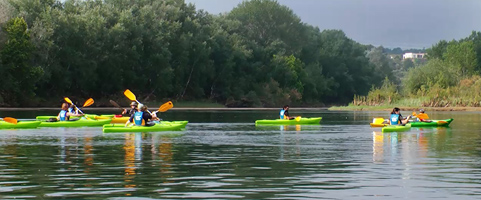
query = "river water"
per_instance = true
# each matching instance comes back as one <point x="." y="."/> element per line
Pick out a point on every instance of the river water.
<point x="223" y="155"/>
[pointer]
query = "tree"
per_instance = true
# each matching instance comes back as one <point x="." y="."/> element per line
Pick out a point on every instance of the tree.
<point x="18" y="75"/>
<point x="463" y="57"/>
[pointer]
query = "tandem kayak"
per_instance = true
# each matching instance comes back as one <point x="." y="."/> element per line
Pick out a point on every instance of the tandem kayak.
<point x="305" y="121"/>
<point x="162" y="126"/>
<point x="75" y="123"/>
<point x="432" y="123"/>
<point x="27" y="124"/>
<point x="396" y="128"/>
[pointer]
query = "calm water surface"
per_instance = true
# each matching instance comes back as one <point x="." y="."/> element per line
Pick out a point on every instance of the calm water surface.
<point x="222" y="155"/>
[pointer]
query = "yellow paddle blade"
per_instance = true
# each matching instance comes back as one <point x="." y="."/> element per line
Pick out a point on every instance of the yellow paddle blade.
<point x="130" y="95"/>
<point x="89" y="102"/>
<point x="298" y="118"/>
<point x="166" y="106"/>
<point x="378" y="120"/>
<point x="68" y="100"/>
<point x="10" y="120"/>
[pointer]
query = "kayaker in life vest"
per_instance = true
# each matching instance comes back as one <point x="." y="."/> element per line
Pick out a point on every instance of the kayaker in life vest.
<point x="397" y="118"/>
<point x="72" y="110"/>
<point x="65" y="115"/>
<point x="142" y="115"/>
<point x="132" y="111"/>
<point x="421" y="116"/>
<point x="284" y="113"/>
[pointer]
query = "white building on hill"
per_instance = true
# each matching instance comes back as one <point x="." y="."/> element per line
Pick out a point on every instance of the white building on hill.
<point x="413" y="55"/>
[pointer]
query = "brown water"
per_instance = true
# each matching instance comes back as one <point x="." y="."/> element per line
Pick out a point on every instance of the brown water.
<point x="222" y="155"/>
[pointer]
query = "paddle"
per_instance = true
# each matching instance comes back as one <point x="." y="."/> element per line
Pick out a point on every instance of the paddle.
<point x="116" y="105"/>
<point x="131" y="96"/>
<point x="70" y="102"/>
<point x="87" y="103"/>
<point x="298" y="118"/>
<point x="164" y="107"/>
<point x="10" y="120"/>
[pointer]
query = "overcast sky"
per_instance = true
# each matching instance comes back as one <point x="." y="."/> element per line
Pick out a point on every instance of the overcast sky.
<point x="391" y="23"/>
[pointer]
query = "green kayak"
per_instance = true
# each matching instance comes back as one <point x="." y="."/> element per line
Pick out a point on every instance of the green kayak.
<point x="162" y="126"/>
<point x="432" y="123"/>
<point x="76" y="123"/>
<point x="27" y="124"/>
<point x="396" y="128"/>
<point x="304" y="121"/>
<point x="92" y="116"/>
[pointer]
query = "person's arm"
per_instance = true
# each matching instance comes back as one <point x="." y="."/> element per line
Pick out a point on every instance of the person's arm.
<point x="154" y="116"/>
<point x="131" y="119"/>
<point x="75" y="115"/>
<point x="124" y="112"/>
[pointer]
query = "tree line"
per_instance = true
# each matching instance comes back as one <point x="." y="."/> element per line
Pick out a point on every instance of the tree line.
<point x="451" y="76"/>
<point x="258" y="54"/>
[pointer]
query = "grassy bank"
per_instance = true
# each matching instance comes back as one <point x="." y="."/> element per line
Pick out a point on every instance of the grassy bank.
<point x="405" y="108"/>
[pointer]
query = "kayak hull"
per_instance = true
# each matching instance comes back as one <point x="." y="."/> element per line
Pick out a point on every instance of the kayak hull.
<point x="304" y="121"/>
<point x="432" y="123"/>
<point x="119" y="120"/>
<point x="19" y="125"/>
<point x="91" y="116"/>
<point x="162" y="126"/>
<point x="378" y="125"/>
<point x="77" y="123"/>
<point x="396" y="128"/>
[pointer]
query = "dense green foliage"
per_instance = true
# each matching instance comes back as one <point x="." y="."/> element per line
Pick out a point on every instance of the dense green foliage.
<point x="450" y="77"/>
<point x="259" y="54"/>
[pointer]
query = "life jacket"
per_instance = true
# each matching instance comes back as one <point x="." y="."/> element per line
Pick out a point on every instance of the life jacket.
<point x="63" y="115"/>
<point x="422" y="116"/>
<point x="281" y="114"/>
<point x="394" y="119"/>
<point x="71" y="110"/>
<point x="138" y="118"/>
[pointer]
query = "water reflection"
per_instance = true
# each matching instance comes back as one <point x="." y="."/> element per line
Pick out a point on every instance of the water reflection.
<point x="342" y="159"/>
<point x="414" y="144"/>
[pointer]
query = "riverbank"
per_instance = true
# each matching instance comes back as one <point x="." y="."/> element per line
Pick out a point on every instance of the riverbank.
<point x="407" y="108"/>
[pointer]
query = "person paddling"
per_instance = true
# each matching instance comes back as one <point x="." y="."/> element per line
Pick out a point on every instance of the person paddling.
<point x="72" y="109"/>
<point x="65" y="115"/>
<point x="423" y="117"/>
<point x="142" y="115"/>
<point x="284" y="113"/>
<point x="132" y="111"/>
<point x="397" y="118"/>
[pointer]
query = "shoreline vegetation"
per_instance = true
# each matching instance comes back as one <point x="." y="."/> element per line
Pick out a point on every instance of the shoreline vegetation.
<point x="168" y="49"/>
<point x="403" y="108"/>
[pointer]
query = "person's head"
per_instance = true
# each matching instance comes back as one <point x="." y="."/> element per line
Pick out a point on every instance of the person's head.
<point x="64" y="106"/>
<point x="421" y="111"/>
<point x="72" y="106"/>
<point x="133" y="105"/>
<point x="142" y="107"/>
<point x="286" y="107"/>
<point x="395" y="110"/>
